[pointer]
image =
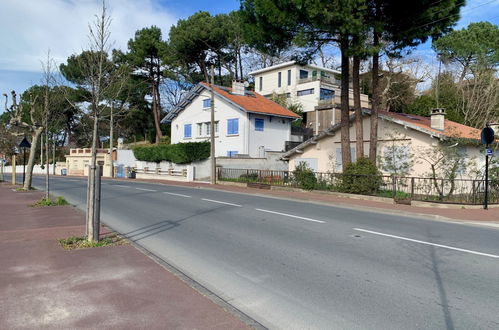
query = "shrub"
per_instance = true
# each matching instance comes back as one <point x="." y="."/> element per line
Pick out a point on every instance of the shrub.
<point x="180" y="153"/>
<point x="249" y="177"/>
<point x="361" y="177"/>
<point x="304" y="177"/>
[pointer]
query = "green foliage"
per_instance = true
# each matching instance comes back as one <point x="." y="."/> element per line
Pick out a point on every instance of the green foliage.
<point x="59" y="201"/>
<point x="180" y="153"/>
<point x="295" y="107"/>
<point x="361" y="177"/>
<point x="165" y="140"/>
<point x="476" y="46"/>
<point x="304" y="177"/>
<point x="81" y="242"/>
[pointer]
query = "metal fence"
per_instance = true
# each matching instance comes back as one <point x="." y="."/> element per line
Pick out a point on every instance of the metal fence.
<point x="459" y="191"/>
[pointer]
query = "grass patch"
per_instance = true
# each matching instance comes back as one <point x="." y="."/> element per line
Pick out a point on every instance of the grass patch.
<point x="22" y="189"/>
<point x="80" y="242"/>
<point x="59" y="201"/>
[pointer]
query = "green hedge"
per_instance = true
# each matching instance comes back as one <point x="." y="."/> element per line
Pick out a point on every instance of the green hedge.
<point x="180" y="153"/>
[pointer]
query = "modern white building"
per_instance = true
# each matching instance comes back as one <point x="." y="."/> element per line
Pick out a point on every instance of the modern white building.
<point x="316" y="88"/>
<point x="246" y="123"/>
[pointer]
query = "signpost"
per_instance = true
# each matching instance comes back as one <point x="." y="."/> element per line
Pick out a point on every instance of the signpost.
<point x="487" y="137"/>
<point x="24" y="145"/>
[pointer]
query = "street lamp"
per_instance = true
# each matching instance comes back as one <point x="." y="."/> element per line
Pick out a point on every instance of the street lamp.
<point x="24" y="145"/>
<point x="15" y="151"/>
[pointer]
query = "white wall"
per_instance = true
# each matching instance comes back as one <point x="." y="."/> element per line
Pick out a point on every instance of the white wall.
<point x="275" y="132"/>
<point x="246" y="142"/>
<point x="194" y="113"/>
<point x="37" y="169"/>
<point x="125" y="157"/>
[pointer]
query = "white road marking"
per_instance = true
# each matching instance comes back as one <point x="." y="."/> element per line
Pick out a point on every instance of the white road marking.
<point x="146" y="189"/>
<point x="220" y="202"/>
<point x="120" y="185"/>
<point x="429" y="243"/>
<point x="175" y="194"/>
<point x="291" y="216"/>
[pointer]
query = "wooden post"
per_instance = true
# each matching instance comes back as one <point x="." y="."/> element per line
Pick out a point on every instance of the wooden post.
<point x="96" y="227"/>
<point x="14" y="169"/>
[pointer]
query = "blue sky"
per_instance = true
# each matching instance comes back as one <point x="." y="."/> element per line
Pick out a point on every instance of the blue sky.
<point x="61" y="26"/>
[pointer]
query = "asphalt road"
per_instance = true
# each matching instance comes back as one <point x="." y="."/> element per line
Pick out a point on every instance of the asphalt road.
<point x="297" y="265"/>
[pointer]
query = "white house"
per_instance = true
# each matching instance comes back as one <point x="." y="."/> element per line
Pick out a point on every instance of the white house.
<point x="246" y="123"/>
<point x="407" y="145"/>
<point x="316" y="88"/>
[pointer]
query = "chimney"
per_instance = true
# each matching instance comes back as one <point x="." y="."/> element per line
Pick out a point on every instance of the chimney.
<point x="438" y="119"/>
<point x="237" y="87"/>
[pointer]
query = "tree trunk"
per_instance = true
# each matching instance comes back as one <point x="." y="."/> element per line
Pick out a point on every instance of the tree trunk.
<point x="345" y="109"/>
<point x="111" y="133"/>
<point x="47" y="180"/>
<point x="35" y="136"/>
<point x="359" y="129"/>
<point x="373" y="139"/>
<point x="91" y="183"/>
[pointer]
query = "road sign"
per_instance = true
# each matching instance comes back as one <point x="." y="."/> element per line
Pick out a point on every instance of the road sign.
<point x="488" y="152"/>
<point x="487" y="135"/>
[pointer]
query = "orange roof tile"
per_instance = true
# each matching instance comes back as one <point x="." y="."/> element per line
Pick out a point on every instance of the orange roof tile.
<point x="254" y="102"/>
<point x="451" y="128"/>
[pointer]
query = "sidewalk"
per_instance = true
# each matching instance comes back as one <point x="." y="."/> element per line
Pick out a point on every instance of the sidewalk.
<point x="477" y="215"/>
<point x="43" y="286"/>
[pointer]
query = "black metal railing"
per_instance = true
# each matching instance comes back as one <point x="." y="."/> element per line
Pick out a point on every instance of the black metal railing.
<point x="458" y="191"/>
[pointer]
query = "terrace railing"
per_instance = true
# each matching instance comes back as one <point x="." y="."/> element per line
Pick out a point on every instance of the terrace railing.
<point x="457" y="191"/>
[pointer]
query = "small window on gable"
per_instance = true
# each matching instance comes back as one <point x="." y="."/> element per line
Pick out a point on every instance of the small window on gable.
<point x="206" y="103"/>
<point x="259" y="124"/>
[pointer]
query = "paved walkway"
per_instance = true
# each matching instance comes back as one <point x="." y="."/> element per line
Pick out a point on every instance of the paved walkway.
<point x="43" y="286"/>
<point x="490" y="216"/>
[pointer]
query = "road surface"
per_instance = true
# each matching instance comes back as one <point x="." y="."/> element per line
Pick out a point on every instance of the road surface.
<point x="297" y="265"/>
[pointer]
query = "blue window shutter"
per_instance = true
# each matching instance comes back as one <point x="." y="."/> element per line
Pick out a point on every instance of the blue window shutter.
<point x="233" y="126"/>
<point x="259" y="124"/>
<point x="187" y="130"/>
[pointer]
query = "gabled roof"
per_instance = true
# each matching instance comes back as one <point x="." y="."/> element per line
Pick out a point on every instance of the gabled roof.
<point x="250" y="102"/>
<point x="418" y="123"/>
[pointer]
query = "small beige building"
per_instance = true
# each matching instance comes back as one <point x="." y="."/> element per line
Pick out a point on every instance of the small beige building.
<point x="78" y="160"/>
<point x="408" y="145"/>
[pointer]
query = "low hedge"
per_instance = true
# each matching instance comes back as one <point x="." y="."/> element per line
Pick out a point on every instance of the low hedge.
<point x="180" y="153"/>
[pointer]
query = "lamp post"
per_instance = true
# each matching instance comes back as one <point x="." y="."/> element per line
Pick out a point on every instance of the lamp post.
<point x="23" y="145"/>
<point x="15" y="151"/>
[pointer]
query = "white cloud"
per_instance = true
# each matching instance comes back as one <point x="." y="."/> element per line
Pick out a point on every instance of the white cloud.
<point x="29" y="28"/>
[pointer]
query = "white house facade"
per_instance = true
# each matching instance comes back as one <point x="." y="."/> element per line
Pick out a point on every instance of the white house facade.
<point x="310" y="85"/>
<point x="246" y="123"/>
<point x="408" y="145"/>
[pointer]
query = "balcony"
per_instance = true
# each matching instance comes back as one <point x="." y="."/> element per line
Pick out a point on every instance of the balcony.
<point x="321" y="79"/>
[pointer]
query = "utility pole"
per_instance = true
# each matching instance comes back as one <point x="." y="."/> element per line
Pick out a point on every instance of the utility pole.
<point x="212" y="131"/>
<point x="13" y="169"/>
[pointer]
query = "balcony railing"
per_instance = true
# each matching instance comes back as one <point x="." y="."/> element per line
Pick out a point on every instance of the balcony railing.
<point x="322" y="79"/>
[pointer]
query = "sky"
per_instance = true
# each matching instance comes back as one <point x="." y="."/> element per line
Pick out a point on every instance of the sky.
<point x="31" y="28"/>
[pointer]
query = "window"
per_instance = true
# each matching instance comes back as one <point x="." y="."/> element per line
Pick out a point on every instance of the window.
<point x="200" y="129"/>
<point x="216" y="127"/>
<point x="259" y="124"/>
<point x="305" y="92"/>
<point x="339" y="160"/>
<point x="208" y="128"/>
<point x="261" y="83"/>
<point x="303" y="74"/>
<point x="206" y="103"/>
<point x="231" y="153"/>
<point x="396" y="159"/>
<point x="279" y="79"/>
<point x="289" y="77"/>
<point x="232" y="126"/>
<point x="187" y="130"/>
<point x="326" y="94"/>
